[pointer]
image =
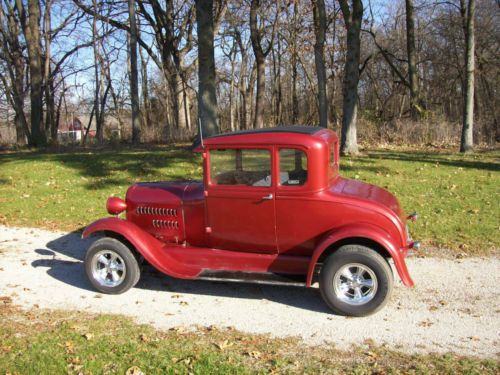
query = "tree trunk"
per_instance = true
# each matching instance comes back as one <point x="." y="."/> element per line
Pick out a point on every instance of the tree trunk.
<point x="353" y="19"/>
<point x="415" y="109"/>
<point x="295" y="101"/>
<point x="260" y="60"/>
<point x="97" y="84"/>
<point x="207" y="96"/>
<point x="467" y="141"/>
<point x="145" y="91"/>
<point x="319" y="14"/>
<point x="134" y="77"/>
<point x="49" y="94"/>
<point x="32" y="35"/>
<point x="231" y="92"/>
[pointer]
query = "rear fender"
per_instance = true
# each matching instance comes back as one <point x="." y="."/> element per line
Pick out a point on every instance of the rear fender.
<point x="366" y="231"/>
<point x="153" y="250"/>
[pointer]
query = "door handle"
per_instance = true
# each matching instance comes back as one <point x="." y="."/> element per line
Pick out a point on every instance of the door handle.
<point x="267" y="197"/>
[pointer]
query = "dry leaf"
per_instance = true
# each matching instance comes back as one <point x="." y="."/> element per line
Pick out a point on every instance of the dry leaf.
<point x="425" y="323"/>
<point x="134" y="370"/>
<point x="6" y="300"/>
<point x="224" y="344"/>
<point x="88" y="335"/>
<point x="254" y="354"/>
<point x="69" y="347"/>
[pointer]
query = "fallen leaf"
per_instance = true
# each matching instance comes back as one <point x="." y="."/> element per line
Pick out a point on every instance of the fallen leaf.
<point x="134" y="370"/>
<point x="224" y="345"/>
<point x="425" y="323"/>
<point x="88" y="336"/>
<point x="254" y="354"/>
<point x="69" y="347"/>
<point x="371" y="354"/>
<point x="6" y="300"/>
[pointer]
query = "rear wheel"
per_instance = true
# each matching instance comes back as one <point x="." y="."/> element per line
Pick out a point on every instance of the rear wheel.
<point x="355" y="281"/>
<point x="111" y="266"/>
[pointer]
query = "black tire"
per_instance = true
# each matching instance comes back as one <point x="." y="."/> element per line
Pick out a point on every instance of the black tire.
<point x="364" y="261"/>
<point x="126" y="260"/>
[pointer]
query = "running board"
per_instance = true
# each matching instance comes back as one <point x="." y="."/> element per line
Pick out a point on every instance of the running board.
<point x="267" y="278"/>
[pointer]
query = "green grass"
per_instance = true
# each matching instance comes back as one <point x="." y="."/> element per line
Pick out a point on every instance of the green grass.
<point x="455" y="195"/>
<point x="41" y="342"/>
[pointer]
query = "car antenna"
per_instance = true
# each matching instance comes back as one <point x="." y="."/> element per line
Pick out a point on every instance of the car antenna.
<point x="201" y="133"/>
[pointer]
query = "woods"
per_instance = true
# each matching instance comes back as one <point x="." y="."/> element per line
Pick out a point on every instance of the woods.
<point x="413" y="71"/>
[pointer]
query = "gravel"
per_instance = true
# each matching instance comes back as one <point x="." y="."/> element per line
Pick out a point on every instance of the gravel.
<point x="455" y="305"/>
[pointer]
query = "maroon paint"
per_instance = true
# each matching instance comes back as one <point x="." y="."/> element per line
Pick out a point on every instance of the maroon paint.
<point x="182" y="228"/>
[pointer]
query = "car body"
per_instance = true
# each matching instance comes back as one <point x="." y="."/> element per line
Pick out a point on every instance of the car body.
<point x="271" y="202"/>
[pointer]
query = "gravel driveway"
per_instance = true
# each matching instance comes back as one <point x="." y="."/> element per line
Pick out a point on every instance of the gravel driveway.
<point x="455" y="305"/>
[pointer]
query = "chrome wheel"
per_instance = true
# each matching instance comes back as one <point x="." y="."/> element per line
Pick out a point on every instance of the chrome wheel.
<point x="355" y="284"/>
<point x="108" y="268"/>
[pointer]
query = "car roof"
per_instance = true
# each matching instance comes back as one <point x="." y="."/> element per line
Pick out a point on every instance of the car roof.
<point x="301" y="129"/>
<point x="298" y="134"/>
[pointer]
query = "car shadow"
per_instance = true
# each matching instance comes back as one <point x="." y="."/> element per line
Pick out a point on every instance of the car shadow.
<point x="71" y="272"/>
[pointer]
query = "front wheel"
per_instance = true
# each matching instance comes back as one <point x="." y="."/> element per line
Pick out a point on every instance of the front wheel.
<point x="111" y="266"/>
<point x="355" y="281"/>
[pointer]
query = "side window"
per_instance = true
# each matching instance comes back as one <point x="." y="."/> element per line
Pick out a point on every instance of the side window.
<point x="250" y="167"/>
<point x="293" y="167"/>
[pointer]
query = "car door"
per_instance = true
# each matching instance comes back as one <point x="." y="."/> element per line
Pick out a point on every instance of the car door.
<point x="240" y="199"/>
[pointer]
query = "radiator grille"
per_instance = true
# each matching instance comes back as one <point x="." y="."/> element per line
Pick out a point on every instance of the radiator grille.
<point x="167" y="224"/>
<point x="159" y="211"/>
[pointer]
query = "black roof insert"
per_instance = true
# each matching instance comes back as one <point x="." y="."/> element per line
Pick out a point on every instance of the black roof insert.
<point x="301" y="129"/>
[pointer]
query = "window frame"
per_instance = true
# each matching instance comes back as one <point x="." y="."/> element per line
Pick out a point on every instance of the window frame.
<point x="278" y="168"/>
<point x="212" y="185"/>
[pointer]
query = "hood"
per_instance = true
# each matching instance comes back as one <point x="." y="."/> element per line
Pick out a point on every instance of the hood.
<point x="363" y="190"/>
<point x="157" y="207"/>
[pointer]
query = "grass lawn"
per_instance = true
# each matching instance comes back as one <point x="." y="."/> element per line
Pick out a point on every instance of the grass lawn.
<point x="455" y="195"/>
<point x="41" y="342"/>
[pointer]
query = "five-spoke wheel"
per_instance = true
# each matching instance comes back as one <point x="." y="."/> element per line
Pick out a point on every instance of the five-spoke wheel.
<point x="111" y="266"/>
<point x="355" y="280"/>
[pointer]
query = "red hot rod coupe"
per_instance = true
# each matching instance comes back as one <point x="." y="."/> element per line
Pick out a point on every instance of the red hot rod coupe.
<point x="271" y="207"/>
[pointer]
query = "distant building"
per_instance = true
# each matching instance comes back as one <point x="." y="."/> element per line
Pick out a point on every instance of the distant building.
<point x="73" y="131"/>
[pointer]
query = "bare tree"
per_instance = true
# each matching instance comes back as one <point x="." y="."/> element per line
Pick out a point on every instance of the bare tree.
<point x="353" y="17"/>
<point x="468" y="14"/>
<point x="415" y="109"/>
<point x="134" y="76"/>
<point x="260" y="53"/>
<point x="319" y="14"/>
<point x="31" y="29"/>
<point x="207" y="98"/>
<point x="14" y="80"/>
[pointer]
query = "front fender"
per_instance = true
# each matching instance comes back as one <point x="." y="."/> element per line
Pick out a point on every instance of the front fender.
<point x="153" y="250"/>
<point x="367" y="231"/>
